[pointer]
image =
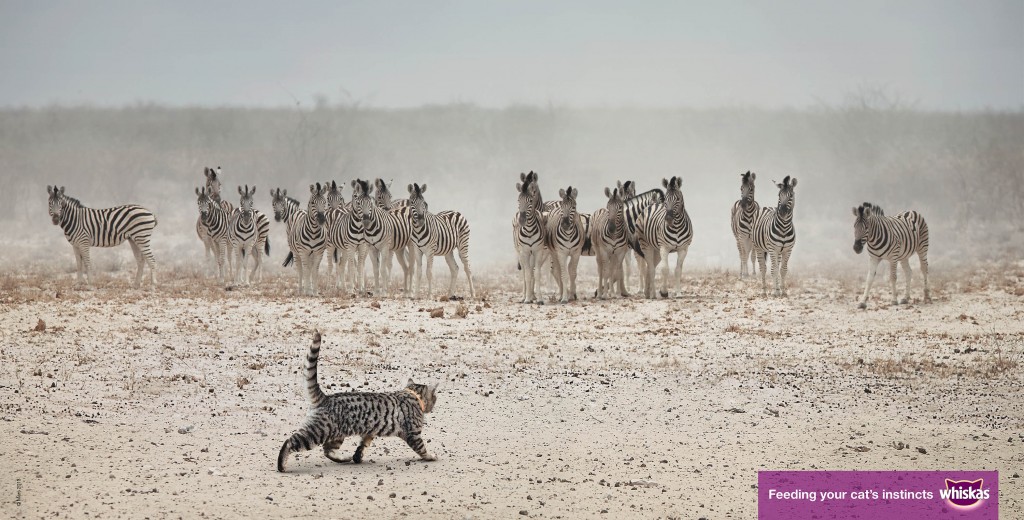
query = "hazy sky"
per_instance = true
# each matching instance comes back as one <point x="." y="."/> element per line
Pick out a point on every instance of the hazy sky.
<point x="949" y="55"/>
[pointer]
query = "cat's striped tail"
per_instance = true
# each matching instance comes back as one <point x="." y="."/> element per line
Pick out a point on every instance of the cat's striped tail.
<point x="316" y="395"/>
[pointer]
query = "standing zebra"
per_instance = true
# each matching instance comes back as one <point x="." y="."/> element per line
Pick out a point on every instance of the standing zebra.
<point x="528" y="234"/>
<point x="632" y="208"/>
<point x="564" y="239"/>
<point x="744" y="213"/>
<point x="250" y="230"/>
<point x="627" y="190"/>
<point x="774" y="234"/>
<point x="217" y="223"/>
<point x="213" y="187"/>
<point x="663" y="229"/>
<point x="344" y="234"/>
<point x="608" y="236"/>
<point x="335" y="201"/>
<point x="439" y="235"/>
<point x="87" y="227"/>
<point x="383" y="196"/>
<point x="895" y="239"/>
<point x="386" y="232"/>
<point x="305" y="233"/>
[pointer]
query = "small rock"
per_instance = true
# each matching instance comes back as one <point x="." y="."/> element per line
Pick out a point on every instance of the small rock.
<point x="40" y="326"/>
<point x="922" y="450"/>
<point x="185" y="429"/>
<point x="524" y="512"/>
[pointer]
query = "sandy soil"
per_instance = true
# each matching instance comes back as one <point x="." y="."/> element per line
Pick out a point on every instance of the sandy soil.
<point x="174" y="402"/>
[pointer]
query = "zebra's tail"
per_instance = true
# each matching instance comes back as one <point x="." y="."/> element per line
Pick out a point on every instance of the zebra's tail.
<point x="289" y="259"/>
<point x="266" y="246"/>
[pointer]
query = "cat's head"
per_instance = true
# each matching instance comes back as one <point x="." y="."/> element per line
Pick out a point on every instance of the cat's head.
<point x="427" y="393"/>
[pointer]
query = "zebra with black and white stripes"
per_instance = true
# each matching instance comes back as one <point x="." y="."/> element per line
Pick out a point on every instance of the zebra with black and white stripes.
<point x="744" y="213"/>
<point x="387" y="232"/>
<point x="88" y="227"/>
<point x="775" y="236"/>
<point x="216" y="222"/>
<point x="632" y="208"/>
<point x="663" y="229"/>
<point x="528" y="227"/>
<point x="213" y="188"/>
<point x="335" y="201"/>
<point x="344" y="234"/>
<point x="439" y="235"/>
<point x="383" y="196"/>
<point x="306" y="237"/>
<point x="250" y="232"/>
<point x="608" y="237"/>
<point x="894" y="239"/>
<point x="564" y="238"/>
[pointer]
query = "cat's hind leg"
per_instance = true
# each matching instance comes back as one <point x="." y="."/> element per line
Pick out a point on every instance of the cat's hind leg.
<point x="357" y="457"/>
<point x="415" y="442"/>
<point x="331" y="446"/>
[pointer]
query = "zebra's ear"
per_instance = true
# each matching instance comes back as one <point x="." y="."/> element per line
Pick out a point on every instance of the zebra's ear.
<point x="608" y="191"/>
<point x="312" y="188"/>
<point x="618" y="184"/>
<point x="522" y="176"/>
<point x="561" y="193"/>
<point x="411" y="190"/>
<point x="664" y="182"/>
<point x="197" y="191"/>
<point x="62" y="190"/>
<point x="253" y="192"/>
<point x="49" y="189"/>
<point x="792" y="182"/>
<point x="284" y="193"/>
<point x="423" y="188"/>
<point x="240" y="192"/>
<point x="519" y="187"/>
<point x="856" y="213"/>
<point x="573" y="192"/>
<point x="752" y="176"/>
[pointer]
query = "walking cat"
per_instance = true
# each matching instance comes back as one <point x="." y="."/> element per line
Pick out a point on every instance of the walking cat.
<point x="366" y="414"/>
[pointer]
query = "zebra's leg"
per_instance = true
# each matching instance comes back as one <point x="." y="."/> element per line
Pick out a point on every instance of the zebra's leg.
<point x="784" y="269"/>
<point x="749" y="244"/>
<point x="892" y="281"/>
<point x="776" y="272"/>
<point x="138" y="262"/>
<point x="86" y="264"/>
<point x="741" y="247"/>
<point x="314" y="272"/>
<point x="922" y="256"/>
<point x="664" y="252"/>
<point x="557" y="264"/>
<point x="574" y="262"/>
<point x="527" y="262"/>
<point x="680" y="257"/>
<point x="762" y="263"/>
<point x="78" y="264"/>
<point x="464" y="256"/>
<point x="870" y="279"/>
<point x="405" y="261"/>
<point x="453" y="268"/>
<point x="907" y="274"/>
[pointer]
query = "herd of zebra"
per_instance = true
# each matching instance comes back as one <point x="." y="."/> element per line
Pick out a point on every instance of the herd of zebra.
<point x="371" y="224"/>
<point x="653" y="224"/>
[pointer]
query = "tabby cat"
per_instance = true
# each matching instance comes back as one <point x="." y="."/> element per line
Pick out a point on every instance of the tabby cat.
<point x="367" y="414"/>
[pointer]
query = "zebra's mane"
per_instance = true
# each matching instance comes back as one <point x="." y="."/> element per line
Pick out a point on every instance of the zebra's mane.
<point x="874" y="209"/>
<point x="656" y="195"/>
<point x="291" y="200"/>
<point x="73" y="202"/>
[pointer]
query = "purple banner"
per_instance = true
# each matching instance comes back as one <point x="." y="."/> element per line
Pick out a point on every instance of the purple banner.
<point x="877" y="495"/>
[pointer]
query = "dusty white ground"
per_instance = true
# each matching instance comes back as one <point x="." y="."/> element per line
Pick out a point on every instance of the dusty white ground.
<point x="174" y="402"/>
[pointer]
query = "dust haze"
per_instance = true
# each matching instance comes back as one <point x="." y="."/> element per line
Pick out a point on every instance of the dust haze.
<point x="963" y="171"/>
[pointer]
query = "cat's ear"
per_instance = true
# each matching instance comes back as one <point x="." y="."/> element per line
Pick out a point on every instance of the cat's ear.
<point x="410" y="383"/>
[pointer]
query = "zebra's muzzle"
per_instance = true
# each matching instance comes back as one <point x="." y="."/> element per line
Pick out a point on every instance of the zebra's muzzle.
<point x="320" y="218"/>
<point x="55" y="219"/>
<point x="858" y="246"/>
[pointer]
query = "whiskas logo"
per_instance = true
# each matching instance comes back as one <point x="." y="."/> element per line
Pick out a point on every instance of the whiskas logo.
<point x="964" y="494"/>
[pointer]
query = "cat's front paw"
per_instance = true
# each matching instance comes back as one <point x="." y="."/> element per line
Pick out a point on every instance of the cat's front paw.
<point x="429" y="457"/>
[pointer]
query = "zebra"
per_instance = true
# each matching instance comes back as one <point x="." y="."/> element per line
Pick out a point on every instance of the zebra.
<point x="306" y="240"/>
<point x="439" y="235"/>
<point x="87" y="227"/>
<point x="386" y="232"/>
<point x="627" y="190"/>
<point x="217" y="224"/>
<point x="773" y="234"/>
<point x="564" y="238"/>
<point x="663" y="229"/>
<point x="632" y="208"/>
<point x="344" y="234"/>
<point x="608" y="235"/>
<point x="335" y="201"/>
<point x="249" y="232"/>
<point x="744" y="213"/>
<point x="213" y="187"/>
<point x="895" y="239"/>
<point x="383" y="196"/>
<point x="528" y="233"/>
